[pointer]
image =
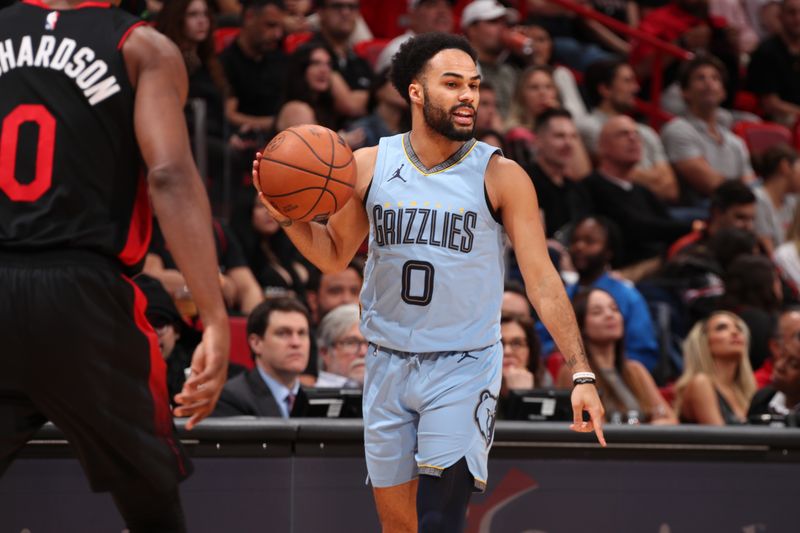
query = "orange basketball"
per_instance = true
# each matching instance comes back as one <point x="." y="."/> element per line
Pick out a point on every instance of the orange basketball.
<point x="307" y="172"/>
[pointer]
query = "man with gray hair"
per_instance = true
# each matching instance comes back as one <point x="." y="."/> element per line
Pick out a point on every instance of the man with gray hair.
<point x="342" y="348"/>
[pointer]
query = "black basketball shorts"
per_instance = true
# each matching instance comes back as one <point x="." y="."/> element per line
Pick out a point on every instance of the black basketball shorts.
<point x="76" y="349"/>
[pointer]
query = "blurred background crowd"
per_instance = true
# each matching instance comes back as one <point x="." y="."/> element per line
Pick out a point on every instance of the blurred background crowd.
<point x="661" y="136"/>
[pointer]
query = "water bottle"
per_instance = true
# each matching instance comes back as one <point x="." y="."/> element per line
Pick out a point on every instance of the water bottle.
<point x="518" y="43"/>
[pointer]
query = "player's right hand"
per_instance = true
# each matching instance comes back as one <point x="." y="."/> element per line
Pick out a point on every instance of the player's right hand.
<point x="201" y="391"/>
<point x="279" y="217"/>
<point x="585" y="398"/>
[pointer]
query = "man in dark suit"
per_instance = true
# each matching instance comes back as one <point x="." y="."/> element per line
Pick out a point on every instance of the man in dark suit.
<point x="278" y="335"/>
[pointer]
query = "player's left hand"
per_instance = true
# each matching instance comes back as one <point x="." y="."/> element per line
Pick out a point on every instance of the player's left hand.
<point x="585" y="398"/>
<point x="201" y="391"/>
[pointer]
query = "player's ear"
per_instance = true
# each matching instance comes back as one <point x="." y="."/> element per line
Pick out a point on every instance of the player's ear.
<point x="415" y="93"/>
<point x="254" y="341"/>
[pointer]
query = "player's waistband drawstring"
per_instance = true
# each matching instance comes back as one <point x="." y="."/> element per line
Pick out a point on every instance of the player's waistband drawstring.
<point x="414" y="360"/>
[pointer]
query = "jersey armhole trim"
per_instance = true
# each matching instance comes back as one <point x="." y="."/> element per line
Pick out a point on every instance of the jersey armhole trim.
<point x="492" y="211"/>
<point x="366" y="191"/>
<point x="128" y="33"/>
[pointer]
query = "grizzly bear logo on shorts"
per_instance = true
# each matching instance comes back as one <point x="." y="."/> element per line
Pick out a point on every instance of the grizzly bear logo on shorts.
<point x="485" y="415"/>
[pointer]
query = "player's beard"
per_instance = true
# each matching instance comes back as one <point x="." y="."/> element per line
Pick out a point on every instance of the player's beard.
<point x="442" y="123"/>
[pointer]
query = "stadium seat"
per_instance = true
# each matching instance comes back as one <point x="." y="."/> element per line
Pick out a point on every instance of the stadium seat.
<point x="761" y="135"/>
<point x="223" y="37"/>
<point x="293" y="40"/>
<point x="370" y="50"/>
<point x="240" y="350"/>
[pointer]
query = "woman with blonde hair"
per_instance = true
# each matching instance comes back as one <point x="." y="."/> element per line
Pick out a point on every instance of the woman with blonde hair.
<point x="535" y="93"/>
<point x="717" y="382"/>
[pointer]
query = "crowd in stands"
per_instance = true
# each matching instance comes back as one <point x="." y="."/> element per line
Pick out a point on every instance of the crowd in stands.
<point x="673" y="222"/>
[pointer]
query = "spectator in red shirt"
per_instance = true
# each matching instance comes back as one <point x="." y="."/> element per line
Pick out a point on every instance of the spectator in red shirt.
<point x="688" y="24"/>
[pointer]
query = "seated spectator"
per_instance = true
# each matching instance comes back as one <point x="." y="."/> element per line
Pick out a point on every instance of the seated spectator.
<point x="688" y="24"/>
<point x="691" y="282"/>
<point x="627" y="12"/>
<point x="646" y="226"/>
<point x="787" y="255"/>
<point x="765" y="17"/>
<point x="424" y="16"/>
<point x="162" y="314"/>
<point x="515" y="301"/>
<point x="352" y="74"/>
<point x="239" y="286"/>
<point x="278" y="336"/>
<point x="276" y="264"/>
<point x="308" y="97"/>
<point x="561" y="199"/>
<point x="522" y="362"/>
<point x="361" y="30"/>
<point x="535" y="95"/>
<point x="776" y="196"/>
<point x="492" y="137"/>
<point x="733" y="205"/>
<point x="489" y="118"/>
<point x="255" y="66"/>
<point x="628" y="391"/>
<point x="341" y="348"/>
<point x="717" y="382"/>
<point x="612" y="89"/>
<point x="785" y="341"/>
<point x="190" y="25"/>
<point x="483" y="23"/>
<point x="704" y="152"/>
<point x="737" y="20"/>
<point x="593" y="243"/>
<point x="325" y="292"/>
<point x="296" y="19"/>
<point x="772" y="73"/>
<point x="389" y="112"/>
<point x="781" y="398"/>
<point x="753" y="291"/>
<point x="542" y="55"/>
<point x="564" y="25"/>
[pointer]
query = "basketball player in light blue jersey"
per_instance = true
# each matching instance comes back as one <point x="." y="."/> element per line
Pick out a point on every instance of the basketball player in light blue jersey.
<point x="436" y="205"/>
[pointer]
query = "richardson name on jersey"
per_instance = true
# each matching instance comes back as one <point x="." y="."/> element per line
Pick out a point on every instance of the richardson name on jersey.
<point x="63" y="55"/>
<point x="424" y="226"/>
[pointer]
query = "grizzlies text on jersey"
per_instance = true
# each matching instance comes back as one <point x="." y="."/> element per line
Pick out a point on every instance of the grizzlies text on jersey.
<point x="434" y="276"/>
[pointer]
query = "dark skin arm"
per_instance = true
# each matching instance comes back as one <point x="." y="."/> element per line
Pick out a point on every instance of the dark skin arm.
<point x="156" y="70"/>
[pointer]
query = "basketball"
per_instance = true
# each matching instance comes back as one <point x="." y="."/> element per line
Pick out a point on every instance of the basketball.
<point x="307" y="172"/>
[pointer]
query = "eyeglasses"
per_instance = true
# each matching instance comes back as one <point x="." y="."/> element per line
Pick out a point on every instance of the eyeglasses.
<point x="351" y="344"/>
<point x="343" y="6"/>
<point x="515" y="344"/>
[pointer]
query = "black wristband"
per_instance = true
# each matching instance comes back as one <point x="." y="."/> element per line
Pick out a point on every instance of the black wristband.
<point x="583" y="381"/>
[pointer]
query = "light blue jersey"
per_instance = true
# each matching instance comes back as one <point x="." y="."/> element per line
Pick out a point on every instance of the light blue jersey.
<point x="434" y="277"/>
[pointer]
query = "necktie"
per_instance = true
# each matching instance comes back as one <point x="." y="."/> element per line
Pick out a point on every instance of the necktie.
<point x="290" y="402"/>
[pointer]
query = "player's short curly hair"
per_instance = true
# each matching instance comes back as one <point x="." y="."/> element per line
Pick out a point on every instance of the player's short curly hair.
<point x="414" y="54"/>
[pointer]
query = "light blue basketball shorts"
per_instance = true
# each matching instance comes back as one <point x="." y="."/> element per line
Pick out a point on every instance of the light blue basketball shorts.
<point x="425" y="411"/>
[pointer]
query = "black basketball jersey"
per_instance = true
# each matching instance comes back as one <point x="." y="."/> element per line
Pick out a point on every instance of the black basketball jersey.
<point x="71" y="176"/>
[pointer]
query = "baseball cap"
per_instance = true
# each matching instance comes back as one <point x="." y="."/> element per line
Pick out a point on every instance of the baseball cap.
<point x="485" y="10"/>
